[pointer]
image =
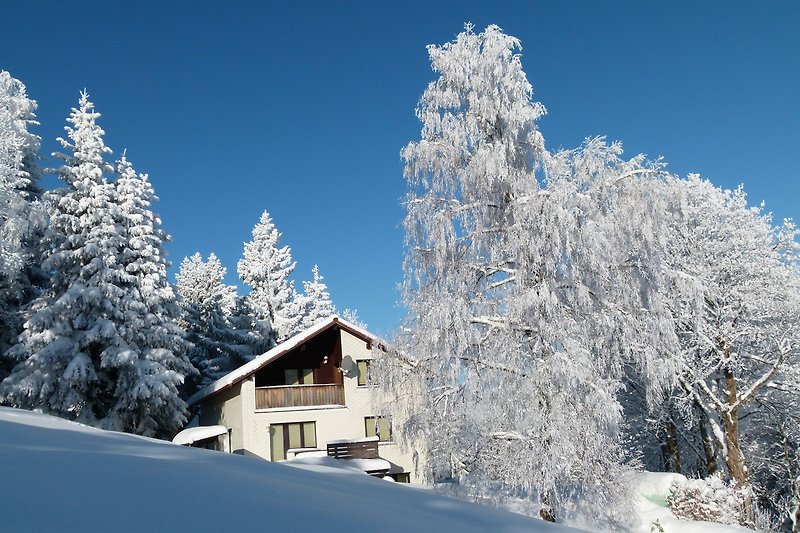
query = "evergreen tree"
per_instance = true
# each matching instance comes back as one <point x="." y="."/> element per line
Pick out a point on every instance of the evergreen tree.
<point x="208" y="308"/>
<point x="149" y="391"/>
<point x="22" y="218"/>
<point x="79" y="356"/>
<point x="17" y="115"/>
<point x="266" y="268"/>
<point x="315" y="303"/>
<point x="70" y="328"/>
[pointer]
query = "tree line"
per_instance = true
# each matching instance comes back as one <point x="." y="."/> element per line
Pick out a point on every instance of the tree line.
<point x="574" y="315"/>
<point x="91" y="329"/>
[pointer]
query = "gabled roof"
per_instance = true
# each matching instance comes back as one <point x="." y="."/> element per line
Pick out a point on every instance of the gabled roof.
<point x="278" y="351"/>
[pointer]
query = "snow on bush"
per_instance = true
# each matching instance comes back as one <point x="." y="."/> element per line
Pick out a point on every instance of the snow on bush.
<point x="710" y="500"/>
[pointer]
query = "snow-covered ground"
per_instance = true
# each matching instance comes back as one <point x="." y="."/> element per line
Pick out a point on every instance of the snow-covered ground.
<point x="61" y="476"/>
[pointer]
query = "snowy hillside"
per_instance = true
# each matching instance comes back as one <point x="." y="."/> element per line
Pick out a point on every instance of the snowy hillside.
<point x="62" y="476"/>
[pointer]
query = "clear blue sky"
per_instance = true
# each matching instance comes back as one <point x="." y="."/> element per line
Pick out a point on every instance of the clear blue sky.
<point x="301" y="108"/>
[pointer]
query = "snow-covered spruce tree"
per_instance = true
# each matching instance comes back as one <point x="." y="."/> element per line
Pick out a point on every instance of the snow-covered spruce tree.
<point x="351" y="315"/>
<point x="315" y="302"/>
<point x="149" y="391"/>
<point x="266" y="268"/>
<point x="18" y="113"/>
<point x="740" y="328"/>
<point x="208" y="307"/>
<point x="527" y="283"/>
<point x="77" y="357"/>
<point x="22" y="217"/>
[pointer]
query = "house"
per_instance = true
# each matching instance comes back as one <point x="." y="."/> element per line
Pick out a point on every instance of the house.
<point x="307" y="395"/>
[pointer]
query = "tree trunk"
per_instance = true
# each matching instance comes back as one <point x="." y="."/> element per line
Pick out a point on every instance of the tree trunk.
<point x="546" y="512"/>
<point x="794" y="507"/>
<point x="708" y="440"/>
<point x="734" y="459"/>
<point x="672" y="447"/>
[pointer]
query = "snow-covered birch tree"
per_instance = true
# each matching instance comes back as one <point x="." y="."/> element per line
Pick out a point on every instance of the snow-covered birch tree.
<point x="528" y="284"/>
<point x="740" y="327"/>
<point x="266" y="268"/>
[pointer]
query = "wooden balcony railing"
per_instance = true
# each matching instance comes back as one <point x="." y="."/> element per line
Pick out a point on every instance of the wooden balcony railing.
<point x="299" y="396"/>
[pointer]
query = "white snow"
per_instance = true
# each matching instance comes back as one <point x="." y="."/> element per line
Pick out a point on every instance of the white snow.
<point x="358" y="465"/>
<point x="362" y="466"/>
<point x="653" y="488"/>
<point x="194" y="434"/>
<point x="373" y="438"/>
<point x="62" y="476"/>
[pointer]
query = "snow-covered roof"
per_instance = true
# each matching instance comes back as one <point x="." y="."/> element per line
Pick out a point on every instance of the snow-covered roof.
<point x="374" y="438"/>
<point x="362" y="465"/>
<point x="266" y="358"/>
<point x="192" y="435"/>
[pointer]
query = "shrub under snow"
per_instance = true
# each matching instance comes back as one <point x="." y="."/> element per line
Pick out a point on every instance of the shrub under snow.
<point x="710" y="500"/>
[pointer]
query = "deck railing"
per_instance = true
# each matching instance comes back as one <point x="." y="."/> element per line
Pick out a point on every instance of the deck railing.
<point x="299" y="396"/>
<point x="360" y="449"/>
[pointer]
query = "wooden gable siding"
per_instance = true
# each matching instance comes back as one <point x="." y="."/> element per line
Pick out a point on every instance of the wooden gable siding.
<point x="308" y="355"/>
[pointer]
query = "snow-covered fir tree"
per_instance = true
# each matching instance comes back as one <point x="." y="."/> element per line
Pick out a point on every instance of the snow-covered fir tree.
<point x="149" y="395"/>
<point x="18" y="114"/>
<point x="315" y="303"/>
<point x="351" y="315"/>
<point x="209" y="308"/>
<point x="22" y="218"/>
<point x="266" y="268"/>
<point x="528" y="282"/>
<point x="78" y="357"/>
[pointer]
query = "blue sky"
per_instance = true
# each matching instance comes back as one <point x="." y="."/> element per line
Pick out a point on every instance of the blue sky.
<point x="301" y="109"/>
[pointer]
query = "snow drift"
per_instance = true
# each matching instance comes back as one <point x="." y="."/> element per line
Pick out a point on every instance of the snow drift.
<point x="63" y="476"/>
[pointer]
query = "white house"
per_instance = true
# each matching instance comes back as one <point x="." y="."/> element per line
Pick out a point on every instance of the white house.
<point x="307" y="394"/>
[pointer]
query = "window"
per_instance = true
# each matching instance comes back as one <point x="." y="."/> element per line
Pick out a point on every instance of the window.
<point x="299" y="376"/>
<point x="284" y="437"/>
<point x="377" y="425"/>
<point x="401" y="477"/>
<point x="363" y="372"/>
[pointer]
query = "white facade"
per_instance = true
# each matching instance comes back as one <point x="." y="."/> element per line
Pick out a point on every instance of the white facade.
<point x="264" y="418"/>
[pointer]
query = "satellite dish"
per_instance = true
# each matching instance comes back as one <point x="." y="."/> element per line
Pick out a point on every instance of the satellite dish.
<point x="349" y="367"/>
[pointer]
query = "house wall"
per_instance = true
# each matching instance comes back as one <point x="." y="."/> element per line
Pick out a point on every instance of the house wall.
<point x="225" y="408"/>
<point x="360" y="406"/>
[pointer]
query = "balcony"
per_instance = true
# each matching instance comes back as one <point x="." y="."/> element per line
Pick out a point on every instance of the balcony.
<point x="299" y="396"/>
